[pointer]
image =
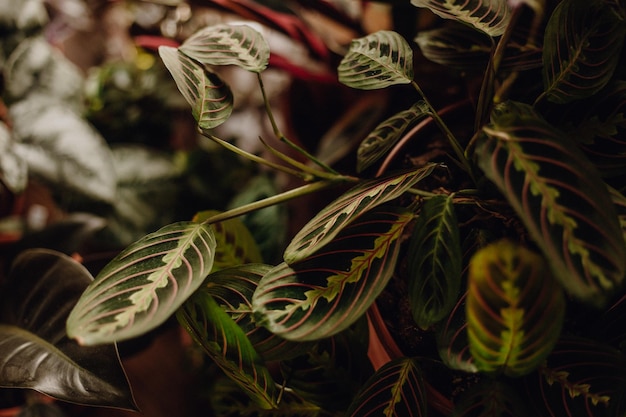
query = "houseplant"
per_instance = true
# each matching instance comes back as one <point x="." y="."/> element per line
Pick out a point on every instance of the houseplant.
<point x="509" y="239"/>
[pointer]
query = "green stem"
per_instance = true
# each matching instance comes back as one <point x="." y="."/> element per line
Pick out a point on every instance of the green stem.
<point x="283" y="138"/>
<point x="456" y="146"/>
<point x="271" y="201"/>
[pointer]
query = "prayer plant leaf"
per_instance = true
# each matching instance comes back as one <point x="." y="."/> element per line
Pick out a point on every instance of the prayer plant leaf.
<point x="581" y="378"/>
<point x="35" y="352"/>
<point x="376" y="61"/>
<point x="327" y="292"/>
<point x="228" y="45"/>
<point x="434" y="262"/>
<point x="235" y="245"/>
<point x="233" y="288"/>
<point x="333" y="218"/>
<point x="210" y="98"/>
<point x="452" y="341"/>
<point x="491" y="398"/>
<point x="387" y="134"/>
<point x="143" y="285"/>
<point x="515" y="309"/>
<point x="582" y="46"/>
<point x="227" y="344"/>
<point x="559" y="196"/>
<point x="396" y="389"/>
<point x="489" y="16"/>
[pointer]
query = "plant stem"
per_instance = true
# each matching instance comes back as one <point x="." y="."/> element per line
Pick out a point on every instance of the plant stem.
<point x="283" y="138"/>
<point x="273" y="200"/>
<point x="456" y="146"/>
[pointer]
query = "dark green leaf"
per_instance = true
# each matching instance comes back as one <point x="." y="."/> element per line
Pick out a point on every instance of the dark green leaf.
<point x="327" y="292"/>
<point x="452" y="341"/>
<point x="333" y="218"/>
<point x="35" y="352"/>
<point x="376" y="61"/>
<point x="211" y="100"/>
<point x="489" y="16"/>
<point x="395" y="390"/>
<point x="434" y="262"/>
<point x="227" y="344"/>
<point x="144" y="285"/>
<point x="559" y="196"/>
<point x="491" y="399"/>
<point x="582" y="46"/>
<point x="228" y="45"/>
<point x="515" y="309"/>
<point x="387" y="134"/>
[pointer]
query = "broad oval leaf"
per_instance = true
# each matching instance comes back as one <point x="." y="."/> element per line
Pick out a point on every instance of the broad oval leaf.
<point x="234" y="243"/>
<point x="376" y="61"/>
<point x="491" y="398"/>
<point x="581" y="378"/>
<point x="489" y="16"/>
<point x="515" y="309"/>
<point x="560" y="197"/>
<point x="353" y="203"/>
<point x="582" y="46"/>
<point x="210" y="98"/>
<point x="434" y="262"/>
<point x="144" y="285"/>
<point x="227" y="344"/>
<point x="387" y="134"/>
<point x="233" y="288"/>
<point x="228" y="45"/>
<point x="35" y="352"/>
<point x="396" y="389"/>
<point x="327" y="292"/>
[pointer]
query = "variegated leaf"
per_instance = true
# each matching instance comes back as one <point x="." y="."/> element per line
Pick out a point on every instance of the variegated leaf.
<point x="452" y="341"/>
<point x="144" y="285"/>
<point x="581" y="378"/>
<point x="376" y="61"/>
<point x="489" y="16"/>
<point x="434" y="262"/>
<point x="582" y="46"/>
<point x="387" y="134"/>
<point x="233" y="288"/>
<point x="333" y="218"/>
<point x="515" y="309"/>
<point x="228" y="45"/>
<point x="395" y="390"/>
<point x="559" y="196"/>
<point x="211" y="100"/>
<point x="35" y="352"/>
<point x="491" y="398"/>
<point x="327" y="292"/>
<point x="227" y="344"/>
<point x="235" y="245"/>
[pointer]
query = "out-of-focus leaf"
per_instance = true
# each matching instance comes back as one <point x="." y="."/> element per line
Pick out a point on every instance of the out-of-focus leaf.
<point x="489" y="16"/>
<point x="515" y="309"/>
<point x="144" y="285"/>
<point x="491" y="399"/>
<point x="396" y="389"/>
<point x="233" y="288"/>
<point x="387" y="134"/>
<point x="63" y="150"/>
<point x="452" y="341"/>
<point x="13" y="169"/>
<point x="376" y="61"/>
<point x="582" y="46"/>
<point x="35" y="352"/>
<point x="211" y="100"/>
<point x="559" y="196"/>
<point x="227" y="344"/>
<point x="331" y="373"/>
<point x="235" y="244"/>
<point x="228" y="45"/>
<point x="327" y="292"/>
<point x="581" y="378"/>
<point x="434" y="262"/>
<point x="353" y="203"/>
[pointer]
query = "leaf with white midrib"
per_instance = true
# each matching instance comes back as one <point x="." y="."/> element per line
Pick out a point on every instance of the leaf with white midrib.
<point x="144" y="285"/>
